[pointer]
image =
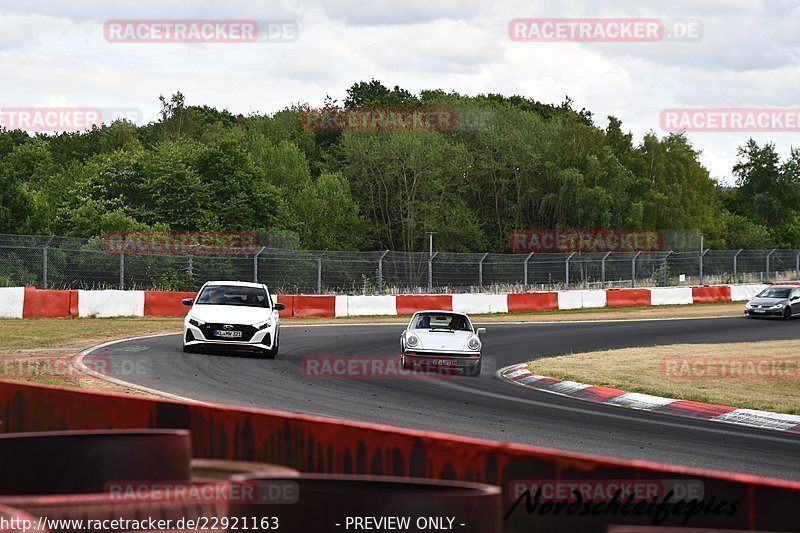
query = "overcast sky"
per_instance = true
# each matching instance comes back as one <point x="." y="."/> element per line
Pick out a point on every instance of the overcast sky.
<point x="53" y="53"/>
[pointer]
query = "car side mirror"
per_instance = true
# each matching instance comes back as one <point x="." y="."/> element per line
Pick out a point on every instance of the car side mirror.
<point x="187" y="302"/>
<point x="795" y="298"/>
<point x="279" y="306"/>
<point x="481" y="331"/>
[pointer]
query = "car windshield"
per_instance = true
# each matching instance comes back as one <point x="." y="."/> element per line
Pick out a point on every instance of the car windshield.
<point x="772" y="292"/>
<point x="449" y="321"/>
<point x="233" y="295"/>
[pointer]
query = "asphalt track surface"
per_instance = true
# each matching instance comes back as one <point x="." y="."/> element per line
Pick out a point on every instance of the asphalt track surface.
<point x="484" y="407"/>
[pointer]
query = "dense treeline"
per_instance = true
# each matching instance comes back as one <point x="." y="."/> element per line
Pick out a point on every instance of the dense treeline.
<point x="509" y="163"/>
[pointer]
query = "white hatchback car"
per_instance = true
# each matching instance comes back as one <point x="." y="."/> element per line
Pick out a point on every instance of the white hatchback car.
<point x="442" y="340"/>
<point x="233" y="315"/>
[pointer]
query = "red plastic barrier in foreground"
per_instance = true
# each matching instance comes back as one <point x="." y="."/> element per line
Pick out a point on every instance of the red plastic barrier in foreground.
<point x="162" y="303"/>
<point x="288" y="301"/>
<point x="323" y="445"/>
<point x="721" y="293"/>
<point x="314" y="306"/>
<point x="411" y="303"/>
<point x="532" y="301"/>
<point x="627" y="297"/>
<point x="47" y="303"/>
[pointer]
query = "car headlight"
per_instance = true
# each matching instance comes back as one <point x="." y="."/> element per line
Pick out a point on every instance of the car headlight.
<point x="411" y="340"/>
<point x="474" y="343"/>
<point x="777" y="306"/>
<point x="196" y="323"/>
<point x="262" y="325"/>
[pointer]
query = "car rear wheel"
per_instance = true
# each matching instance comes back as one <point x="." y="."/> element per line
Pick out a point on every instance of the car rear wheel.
<point x="787" y="313"/>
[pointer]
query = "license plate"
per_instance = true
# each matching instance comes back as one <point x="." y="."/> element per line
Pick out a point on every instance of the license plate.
<point x="760" y="310"/>
<point x="227" y="334"/>
<point x="443" y="362"/>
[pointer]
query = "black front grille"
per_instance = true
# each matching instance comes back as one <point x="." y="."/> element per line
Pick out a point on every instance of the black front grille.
<point x="209" y="329"/>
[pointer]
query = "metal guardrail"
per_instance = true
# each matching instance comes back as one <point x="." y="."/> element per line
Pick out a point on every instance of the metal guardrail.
<point x="62" y="262"/>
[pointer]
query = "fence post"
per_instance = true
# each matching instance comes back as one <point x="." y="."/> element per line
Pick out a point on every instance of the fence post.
<point x="664" y="269"/>
<point x="319" y="272"/>
<point x="480" y="272"/>
<point x="430" y="270"/>
<point x="702" y="255"/>
<point x="122" y="264"/>
<point x="380" y="272"/>
<point x="566" y="271"/>
<point x="255" y="264"/>
<point x="603" y="270"/>
<point x="633" y="269"/>
<point x="769" y="254"/>
<point x="735" y="273"/>
<point x="797" y="265"/>
<point x="44" y="262"/>
<point x="525" y="272"/>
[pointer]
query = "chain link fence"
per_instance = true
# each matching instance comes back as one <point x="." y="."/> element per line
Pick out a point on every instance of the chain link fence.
<point x="71" y="263"/>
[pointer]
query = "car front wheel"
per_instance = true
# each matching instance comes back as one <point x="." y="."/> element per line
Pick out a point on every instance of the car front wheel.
<point x="474" y="371"/>
<point x="787" y="313"/>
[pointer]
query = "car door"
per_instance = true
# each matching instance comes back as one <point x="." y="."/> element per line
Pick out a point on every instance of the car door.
<point x="794" y="300"/>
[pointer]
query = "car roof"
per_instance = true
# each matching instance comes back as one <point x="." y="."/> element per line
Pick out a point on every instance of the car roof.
<point x="439" y="311"/>
<point x="783" y="287"/>
<point x="237" y="284"/>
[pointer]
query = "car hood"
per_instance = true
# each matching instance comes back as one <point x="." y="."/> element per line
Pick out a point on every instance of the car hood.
<point x="442" y="340"/>
<point x="768" y="301"/>
<point x="230" y="314"/>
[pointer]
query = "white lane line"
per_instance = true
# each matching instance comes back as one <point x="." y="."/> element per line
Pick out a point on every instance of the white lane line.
<point x="77" y="362"/>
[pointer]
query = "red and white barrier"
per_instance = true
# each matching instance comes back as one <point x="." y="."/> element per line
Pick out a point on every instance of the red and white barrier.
<point x="110" y="303"/>
<point x="671" y="296"/>
<point x="11" y="302"/>
<point x="19" y="302"/>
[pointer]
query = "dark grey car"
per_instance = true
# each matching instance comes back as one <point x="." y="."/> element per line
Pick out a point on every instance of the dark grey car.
<point x="781" y="301"/>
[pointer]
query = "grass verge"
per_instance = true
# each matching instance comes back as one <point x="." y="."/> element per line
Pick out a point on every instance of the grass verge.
<point x="765" y="374"/>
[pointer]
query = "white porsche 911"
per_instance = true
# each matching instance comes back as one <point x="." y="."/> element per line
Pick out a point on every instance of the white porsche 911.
<point x="442" y="340"/>
<point x="233" y="315"/>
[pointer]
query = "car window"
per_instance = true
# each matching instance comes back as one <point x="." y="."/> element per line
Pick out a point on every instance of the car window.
<point x="771" y="292"/>
<point x="233" y="295"/>
<point x="442" y="320"/>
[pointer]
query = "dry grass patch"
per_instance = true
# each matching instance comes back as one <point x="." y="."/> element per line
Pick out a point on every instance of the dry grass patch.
<point x="765" y="375"/>
<point x="37" y="350"/>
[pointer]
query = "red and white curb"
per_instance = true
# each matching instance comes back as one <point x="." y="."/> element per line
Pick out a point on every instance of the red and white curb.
<point x="520" y="375"/>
